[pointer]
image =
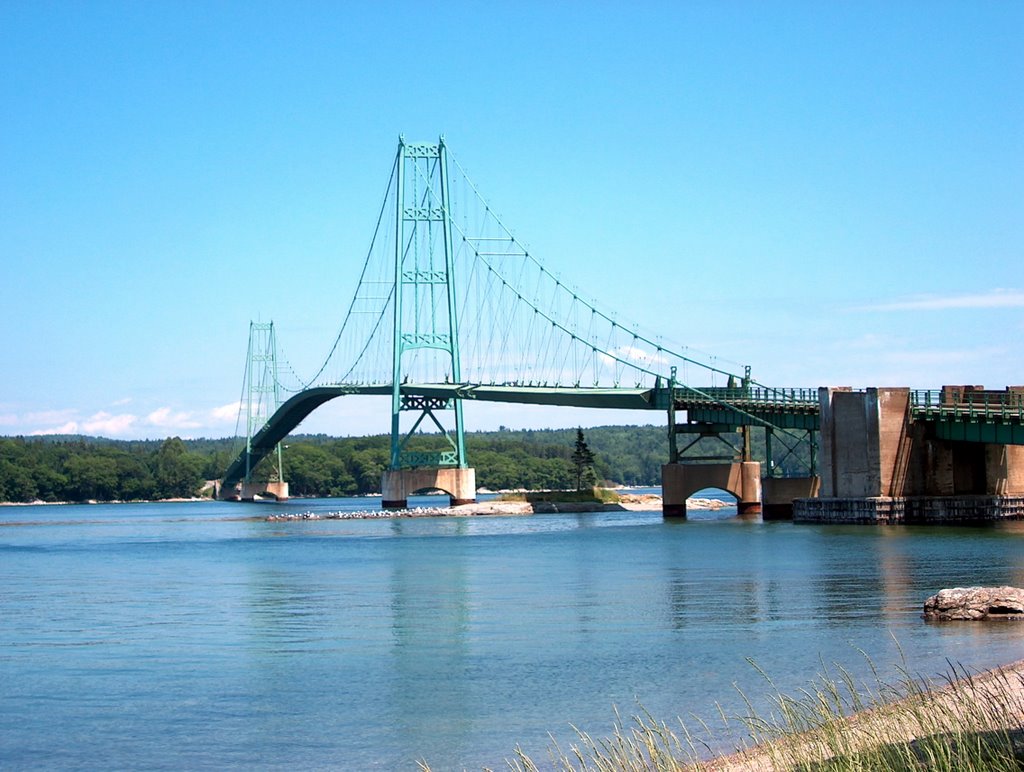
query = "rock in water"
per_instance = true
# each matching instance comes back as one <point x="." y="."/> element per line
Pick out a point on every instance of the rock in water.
<point x="976" y="603"/>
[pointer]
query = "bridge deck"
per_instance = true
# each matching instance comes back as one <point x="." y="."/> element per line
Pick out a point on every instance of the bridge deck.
<point x="995" y="419"/>
<point x="291" y="413"/>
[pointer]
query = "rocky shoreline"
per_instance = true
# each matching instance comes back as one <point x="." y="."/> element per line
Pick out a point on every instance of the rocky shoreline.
<point x="87" y="502"/>
<point x="633" y="502"/>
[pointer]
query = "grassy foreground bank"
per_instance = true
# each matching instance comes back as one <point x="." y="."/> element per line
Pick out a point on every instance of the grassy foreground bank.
<point x="966" y="722"/>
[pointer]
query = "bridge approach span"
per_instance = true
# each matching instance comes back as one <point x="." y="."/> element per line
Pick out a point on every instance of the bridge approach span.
<point x="292" y="412"/>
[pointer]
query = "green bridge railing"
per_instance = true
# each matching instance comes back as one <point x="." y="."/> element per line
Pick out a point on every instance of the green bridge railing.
<point x="949" y="403"/>
<point x="959" y="402"/>
<point x="970" y="404"/>
<point x="762" y="395"/>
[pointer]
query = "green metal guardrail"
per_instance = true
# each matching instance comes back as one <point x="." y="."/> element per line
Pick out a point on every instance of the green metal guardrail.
<point x="802" y="398"/>
<point x="968" y="405"/>
<point x="972" y="415"/>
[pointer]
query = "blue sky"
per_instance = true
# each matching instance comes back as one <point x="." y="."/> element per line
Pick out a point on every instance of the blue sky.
<point x="832" y="193"/>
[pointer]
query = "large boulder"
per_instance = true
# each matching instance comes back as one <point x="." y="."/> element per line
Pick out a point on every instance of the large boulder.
<point x="976" y="603"/>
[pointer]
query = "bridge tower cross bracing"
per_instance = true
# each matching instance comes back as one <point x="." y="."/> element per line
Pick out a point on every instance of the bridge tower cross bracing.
<point x="425" y="320"/>
<point x="263" y="395"/>
<point x="262" y="399"/>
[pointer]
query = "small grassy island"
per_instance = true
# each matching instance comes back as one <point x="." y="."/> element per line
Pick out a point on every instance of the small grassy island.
<point x="590" y="496"/>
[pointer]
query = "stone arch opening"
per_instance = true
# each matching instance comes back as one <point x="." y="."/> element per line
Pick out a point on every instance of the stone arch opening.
<point x="712" y="491"/>
<point x="430" y="490"/>
<point x="712" y="499"/>
<point x="398" y="484"/>
<point x="740" y="479"/>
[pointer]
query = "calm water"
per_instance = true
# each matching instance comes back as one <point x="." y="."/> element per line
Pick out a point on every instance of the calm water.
<point x="197" y="636"/>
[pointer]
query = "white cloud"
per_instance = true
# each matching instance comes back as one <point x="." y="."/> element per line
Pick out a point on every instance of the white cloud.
<point x="103" y="423"/>
<point x="998" y="298"/>
<point x="118" y="425"/>
<point x="633" y="354"/>
<point x="640" y="355"/>
<point x="166" y="419"/>
<point x="71" y="427"/>
<point x="226" y="412"/>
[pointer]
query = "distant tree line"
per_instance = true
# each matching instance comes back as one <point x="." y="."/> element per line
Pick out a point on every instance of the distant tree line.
<point x="83" y="469"/>
<point x="532" y="459"/>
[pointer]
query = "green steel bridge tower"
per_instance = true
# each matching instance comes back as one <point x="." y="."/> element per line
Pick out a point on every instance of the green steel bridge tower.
<point x="425" y="315"/>
<point x="261" y="399"/>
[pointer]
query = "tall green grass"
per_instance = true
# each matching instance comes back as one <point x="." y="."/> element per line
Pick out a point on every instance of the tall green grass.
<point x="966" y="722"/>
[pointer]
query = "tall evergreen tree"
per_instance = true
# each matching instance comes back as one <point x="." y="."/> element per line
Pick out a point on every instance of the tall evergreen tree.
<point x="583" y="463"/>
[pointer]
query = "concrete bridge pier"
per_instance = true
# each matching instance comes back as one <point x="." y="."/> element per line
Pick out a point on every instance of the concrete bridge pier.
<point x="397" y="485"/>
<point x="880" y="465"/>
<point x="680" y="481"/>
<point x="249" y="491"/>
<point x="779" y="493"/>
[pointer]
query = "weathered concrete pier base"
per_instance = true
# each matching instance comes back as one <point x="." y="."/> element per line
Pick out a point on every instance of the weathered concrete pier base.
<point x="910" y="510"/>
<point x="881" y="466"/>
<point x="397" y="485"/>
<point x="680" y="481"/>
<point x="779" y="493"/>
<point x="872" y="510"/>
<point x="963" y="509"/>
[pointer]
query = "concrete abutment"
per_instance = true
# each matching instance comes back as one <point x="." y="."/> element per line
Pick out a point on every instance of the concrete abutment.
<point x="397" y="485"/>
<point x="251" y="491"/>
<point x="742" y="479"/>
<point x="881" y="466"/>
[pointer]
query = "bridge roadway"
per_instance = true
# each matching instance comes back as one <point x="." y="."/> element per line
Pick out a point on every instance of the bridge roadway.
<point x="708" y="405"/>
<point x="998" y="418"/>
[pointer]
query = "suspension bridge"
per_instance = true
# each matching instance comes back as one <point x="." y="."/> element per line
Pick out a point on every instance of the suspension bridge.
<point x="450" y="306"/>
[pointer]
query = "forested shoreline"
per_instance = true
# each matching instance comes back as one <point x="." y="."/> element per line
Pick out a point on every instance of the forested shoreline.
<point x="77" y="469"/>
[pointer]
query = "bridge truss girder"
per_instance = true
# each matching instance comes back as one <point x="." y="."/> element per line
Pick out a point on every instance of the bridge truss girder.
<point x="292" y="412"/>
<point x="966" y="430"/>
